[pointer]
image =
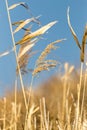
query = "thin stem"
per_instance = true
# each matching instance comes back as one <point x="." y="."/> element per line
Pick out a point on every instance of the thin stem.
<point x="80" y="83"/>
<point x="29" y="97"/>
<point x="31" y="84"/>
<point x="13" y="41"/>
<point x="64" y="99"/>
<point x="16" y="104"/>
<point x="78" y="101"/>
<point x="83" y="98"/>
<point x="4" y="120"/>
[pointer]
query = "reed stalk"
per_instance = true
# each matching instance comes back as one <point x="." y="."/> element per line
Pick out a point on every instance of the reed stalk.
<point x="13" y="41"/>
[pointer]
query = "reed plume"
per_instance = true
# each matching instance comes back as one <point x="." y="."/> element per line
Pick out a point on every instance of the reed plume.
<point x="41" y="63"/>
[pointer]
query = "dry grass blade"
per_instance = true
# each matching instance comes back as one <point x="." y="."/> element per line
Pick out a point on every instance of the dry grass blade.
<point x="38" y="32"/>
<point x="26" y="47"/>
<point x="25" y="6"/>
<point x="83" y="44"/>
<point x="47" y="50"/>
<point x="15" y="5"/>
<point x="23" y="23"/>
<point x="18" y="22"/>
<point x="6" y="53"/>
<point x="72" y="31"/>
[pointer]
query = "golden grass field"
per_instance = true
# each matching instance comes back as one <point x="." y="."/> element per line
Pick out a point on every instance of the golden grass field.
<point x="60" y="103"/>
<point x="48" y="107"/>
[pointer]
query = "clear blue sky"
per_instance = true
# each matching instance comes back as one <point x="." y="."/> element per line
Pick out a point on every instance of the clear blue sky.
<point x="50" y="10"/>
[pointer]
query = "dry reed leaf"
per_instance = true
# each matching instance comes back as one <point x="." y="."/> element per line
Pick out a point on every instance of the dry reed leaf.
<point x="47" y="50"/>
<point x="28" y="30"/>
<point x="15" y="5"/>
<point x="6" y="53"/>
<point x="38" y="32"/>
<point x="23" y="23"/>
<point x="18" y="22"/>
<point x="82" y="47"/>
<point x="26" y="47"/>
<point x="83" y="44"/>
<point x="72" y="31"/>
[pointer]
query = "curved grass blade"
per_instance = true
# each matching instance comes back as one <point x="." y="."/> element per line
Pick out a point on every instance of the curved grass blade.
<point x="83" y="44"/>
<point x="17" y="4"/>
<point x="17" y="23"/>
<point x="25" y="5"/>
<point x="72" y="31"/>
<point x="38" y="32"/>
<point x="26" y="47"/>
<point x="22" y="24"/>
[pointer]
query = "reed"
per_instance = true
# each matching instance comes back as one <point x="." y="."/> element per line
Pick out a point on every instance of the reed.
<point x="60" y="102"/>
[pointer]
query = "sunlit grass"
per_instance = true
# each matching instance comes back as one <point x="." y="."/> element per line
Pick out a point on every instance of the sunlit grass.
<point x="59" y="103"/>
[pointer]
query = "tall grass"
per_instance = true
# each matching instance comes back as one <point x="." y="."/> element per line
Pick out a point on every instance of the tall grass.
<point x="45" y="110"/>
<point x="13" y="41"/>
<point x="58" y="104"/>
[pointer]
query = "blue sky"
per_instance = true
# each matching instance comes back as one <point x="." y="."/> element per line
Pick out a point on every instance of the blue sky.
<point x="49" y="10"/>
